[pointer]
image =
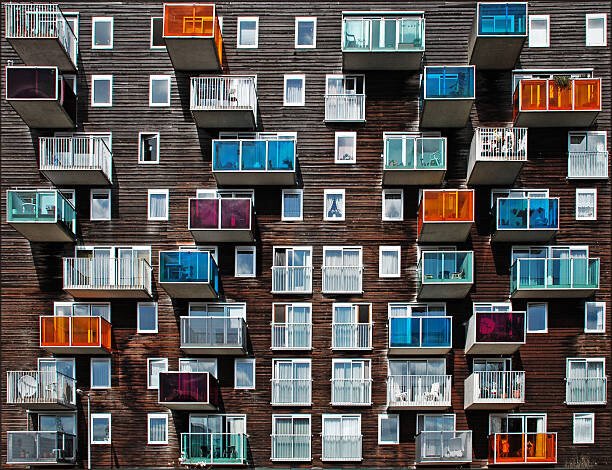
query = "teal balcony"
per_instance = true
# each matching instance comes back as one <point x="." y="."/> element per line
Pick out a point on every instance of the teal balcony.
<point x="41" y="215"/>
<point x="526" y="219"/>
<point x="420" y="335"/>
<point x="549" y="278"/>
<point x="414" y="160"/>
<point x="445" y="274"/>
<point x="447" y="95"/>
<point x="214" y="449"/>
<point x="189" y="274"/>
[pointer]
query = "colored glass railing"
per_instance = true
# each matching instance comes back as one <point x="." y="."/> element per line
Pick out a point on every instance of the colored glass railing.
<point x="502" y="19"/>
<point x="449" y="83"/>
<point x="75" y="331"/>
<point x="386" y="34"/>
<point x="523" y="448"/>
<point x="40" y="206"/>
<point x="213" y="448"/>
<point x="253" y="155"/>
<point x="528" y="213"/>
<point x="420" y="332"/>
<point x="578" y="94"/>
<point x="220" y="214"/>
<point x="415" y="153"/>
<point x="555" y="273"/>
<point x="188" y="266"/>
<point x="188" y="387"/>
<point x="446" y="267"/>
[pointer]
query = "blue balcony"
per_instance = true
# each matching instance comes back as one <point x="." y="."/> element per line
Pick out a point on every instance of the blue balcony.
<point x="447" y="95"/>
<point x="526" y="219"/>
<point x="189" y="274"/>
<point x="445" y="274"/>
<point x="420" y="335"/>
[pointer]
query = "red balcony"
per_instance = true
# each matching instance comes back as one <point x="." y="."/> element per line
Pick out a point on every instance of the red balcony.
<point x="445" y="215"/>
<point x="523" y="448"/>
<point x="495" y="333"/>
<point x="75" y="335"/>
<point x="188" y="391"/>
<point x="221" y="219"/>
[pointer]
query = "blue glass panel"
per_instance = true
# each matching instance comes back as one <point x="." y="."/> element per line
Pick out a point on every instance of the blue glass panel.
<point x="254" y="155"/>
<point x="449" y="82"/>
<point x="226" y="155"/>
<point x="499" y="19"/>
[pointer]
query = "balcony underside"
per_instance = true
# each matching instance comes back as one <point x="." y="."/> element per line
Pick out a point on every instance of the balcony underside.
<point x="400" y="60"/>
<point x="255" y="178"/>
<point x="555" y="118"/>
<point x="419" y="406"/>
<point x="188" y="406"/>
<point x="495" y="52"/>
<point x="109" y="293"/>
<point x="222" y="236"/>
<point x="214" y="350"/>
<point x="413" y="177"/>
<point x="44" y="231"/>
<point x="42" y="114"/>
<point x="57" y="406"/>
<point x="444" y="290"/>
<point x="193" y="54"/>
<point x="424" y="351"/>
<point x="43" y="51"/>
<point x="494" y="172"/>
<point x="494" y="404"/>
<point x="69" y="177"/>
<point x="549" y="293"/>
<point x="443" y="113"/>
<point x="524" y="235"/>
<point x="93" y="350"/>
<point x="492" y="348"/>
<point x="190" y="290"/>
<point x="445" y="231"/>
<point x="225" y="119"/>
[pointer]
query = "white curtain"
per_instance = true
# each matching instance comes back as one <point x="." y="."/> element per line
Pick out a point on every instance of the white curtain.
<point x="583" y="428"/>
<point x="155" y="367"/>
<point x="333" y="258"/>
<point x="585" y="204"/>
<point x="157" y="429"/>
<point x="389" y="262"/>
<point x="157" y="206"/>
<point x="393" y="205"/>
<point x="351" y="257"/>
<point x="294" y="89"/>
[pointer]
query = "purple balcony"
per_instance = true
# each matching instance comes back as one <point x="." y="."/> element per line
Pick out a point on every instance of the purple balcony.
<point x="495" y="333"/>
<point x="221" y="219"/>
<point x="188" y="391"/>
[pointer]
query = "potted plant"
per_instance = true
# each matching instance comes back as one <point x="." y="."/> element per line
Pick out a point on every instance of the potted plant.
<point x="562" y="81"/>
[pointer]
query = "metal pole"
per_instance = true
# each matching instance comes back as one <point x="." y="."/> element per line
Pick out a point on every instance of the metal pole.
<point x="88" y="432"/>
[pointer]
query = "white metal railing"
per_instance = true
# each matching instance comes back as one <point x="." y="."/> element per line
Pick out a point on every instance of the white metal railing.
<point x="344" y="107"/>
<point x="341" y="448"/>
<point x="212" y="332"/>
<point x="351" y="335"/>
<point x="291" y="447"/>
<point x="107" y="273"/>
<point x="342" y="279"/>
<point x="419" y="390"/>
<point x="40" y="387"/>
<point x="75" y="153"/>
<point x="40" y="447"/>
<point x="291" y="279"/>
<point x="585" y="390"/>
<point x="291" y="392"/>
<point x="497" y="386"/>
<point x="291" y="335"/>
<point x="347" y="392"/>
<point x="499" y="143"/>
<point x="587" y="165"/>
<point x="223" y="94"/>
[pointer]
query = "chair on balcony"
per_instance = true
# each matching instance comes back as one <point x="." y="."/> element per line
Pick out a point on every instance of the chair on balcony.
<point x="434" y="393"/>
<point x="399" y="395"/>
<point x="458" y="275"/>
<point x="455" y="448"/>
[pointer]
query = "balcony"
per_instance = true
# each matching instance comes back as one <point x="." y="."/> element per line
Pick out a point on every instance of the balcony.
<point x="32" y="448"/>
<point x="76" y="160"/>
<point x="495" y="333"/>
<point x="352" y="336"/>
<point x="382" y="40"/>
<point x="445" y="274"/>
<point x="188" y="391"/>
<point x="41" y="390"/>
<point x="193" y="36"/>
<point x="494" y="390"/>
<point x="498" y="35"/>
<point x="291" y="279"/>
<point x="497" y="155"/>
<point x="526" y="219"/>
<point x="442" y="447"/>
<point x="561" y="102"/>
<point x="351" y="392"/>
<point x="41" y="215"/>
<point x="291" y="447"/>
<point x="221" y="220"/>
<point x="189" y="274"/>
<point x="40" y="35"/>
<point x="225" y="102"/>
<point x="291" y="392"/>
<point x="554" y="278"/>
<point x="214" y="449"/>
<point x="447" y="95"/>
<point x="587" y="165"/>
<point x="341" y="448"/>
<point x="213" y="335"/>
<point x="41" y="96"/>
<point x="345" y="107"/>
<point x="102" y="277"/>
<point x="258" y="162"/>
<point x="523" y="448"/>
<point x="420" y="335"/>
<point x="75" y="335"/>
<point x="585" y="390"/>
<point x="290" y="336"/>
<point x="445" y="215"/>
<point x="419" y="392"/>
<point x="411" y="160"/>
<point x="342" y="279"/>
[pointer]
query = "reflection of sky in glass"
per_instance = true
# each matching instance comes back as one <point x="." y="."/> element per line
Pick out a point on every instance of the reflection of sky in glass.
<point x="244" y="374"/>
<point x="100" y="429"/>
<point x="305" y="33"/>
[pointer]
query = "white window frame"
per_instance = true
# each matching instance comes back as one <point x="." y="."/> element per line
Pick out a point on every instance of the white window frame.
<point x="246" y="360"/>
<point x="168" y="80"/>
<point x="94" y="79"/>
<point x="590" y="416"/>
<point x="213" y="359"/>
<point x="596" y="304"/>
<point x="536" y="332"/>
<point x="151" y="416"/>
<point x="539" y="18"/>
<point x="299" y="19"/>
<point x="138" y="327"/>
<point x="595" y="16"/>
<point x="253" y="250"/>
<point x="149" y="360"/>
<point x="166" y="193"/>
<point x="334" y="191"/>
<point x="292" y="191"/>
<point x="140" y="153"/>
<point x="247" y="18"/>
<point x="288" y="77"/>
<point x="105" y="191"/>
<point x="395" y="248"/>
<point x="55" y="360"/>
<point x="394" y="417"/>
<point x="91" y="381"/>
<point x="293" y="416"/>
<point x="151" y="46"/>
<point x="102" y="19"/>
<point x="592" y="191"/>
<point x="106" y="416"/>
<point x="340" y="134"/>
<point x="384" y="205"/>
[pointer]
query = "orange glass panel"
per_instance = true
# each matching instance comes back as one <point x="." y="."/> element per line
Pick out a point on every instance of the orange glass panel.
<point x="587" y="94"/>
<point x="559" y="98"/>
<point x="522" y="448"/>
<point x="106" y="334"/>
<point x="533" y="95"/>
<point x="54" y="331"/>
<point x="192" y="20"/>
<point x="218" y="41"/>
<point x="448" y="206"/>
<point x="85" y="331"/>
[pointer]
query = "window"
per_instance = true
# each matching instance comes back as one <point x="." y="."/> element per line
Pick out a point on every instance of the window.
<point x="198" y="365"/>
<point x="155" y="365"/>
<point x="157" y="426"/>
<point x="537" y="317"/>
<point x="334" y="204"/>
<point x="65" y="365"/>
<point x="389" y="261"/>
<point x="147" y="317"/>
<point x="158" y="204"/>
<point x="351" y="382"/>
<point x="100" y="204"/>
<point x="388" y="429"/>
<point x="305" y="32"/>
<point x="586" y="204"/>
<point x="81" y="309"/>
<point x="292" y="326"/>
<point x="102" y="33"/>
<point x="159" y="90"/>
<point x="346" y="147"/>
<point x="291" y="437"/>
<point x="148" y="147"/>
<point x="100" y="428"/>
<point x="291" y="382"/>
<point x="351" y="326"/>
<point x="341" y="437"/>
<point x="244" y="373"/>
<point x="596" y="29"/>
<point x="157" y="34"/>
<point x="248" y="31"/>
<point x="594" y="317"/>
<point x="101" y="372"/>
<point x="245" y="261"/>
<point x="539" y="31"/>
<point x="292" y="204"/>
<point x="101" y="90"/>
<point x="393" y="204"/>
<point x="294" y="90"/>
<point x="584" y="428"/>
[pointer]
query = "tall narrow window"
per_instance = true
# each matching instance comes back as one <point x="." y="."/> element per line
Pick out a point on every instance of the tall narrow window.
<point x="539" y="31"/>
<point x="244" y="373"/>
<point x="157" y="426"/>
<point x="346" y="147"/>
<point x="584" y="428"/>
<point x="292" y="204"/>
<point x="334" y="204"/>
<point x="248" y="32"/>
<point x="294" y="90"/>
<point x="393" y="204"/>
<point x="100" y="372"/>
<point x="158" y="204"/>
<point x="596" y="29"/>
<point x="305" y="32"/>
<point x="101" y="91"/>
<point x="147" y="317"/>
<point x="594" y="317"/>
<point x="245" y="261"/>
<point x="157" y="34"/>
<point x="155" y="365"/>
<point x="159" y="90"/>
<point x="100" y="204"/>
<point x="586" y="204"/>
<point x="100" y="428"/>
<point x="388" y="429"/>
<point x="389" y="261"/>
<point x="148" y="147"/>
<point x="537" y="317"/>
<point x="102" y="33"/>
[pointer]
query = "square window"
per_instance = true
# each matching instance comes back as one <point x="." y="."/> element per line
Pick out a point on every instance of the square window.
<point x="101" y="90"/>
<point x="155" y="365"/>
<point x="584" y="428"/>
<point x="388" y="429"/>
<point x="389" y="261"/>
<point x="245" y="261"/>
<point x="147" y="317"/>
<point x="292" y="204"/>
<point x="157" y="33"/>
<point x="159" y="90"/>
<point x="100" y="204"/>
<point x="158" y="204"/>
<point x="157" y="426"/>
<point x="305" y="32"/>
<point x="596" y="29"/>
<point x="346" y="147"/>
<point x="294" y="94"/>
<point x="334" y="204"/>
<point x="244" y="373"/>
<point x="100" y="372"/>
<point x="148" y="147"/>
<point x="100" y="428"/>
<point x="586" y="204"/>
<point x="537" y="317"/>
<point x="539" y="31"/>
<point x="102" y="33"/>
<point x="393" y="204"/>
<point x="594" y="317"/>
<point x="248" y="31"/>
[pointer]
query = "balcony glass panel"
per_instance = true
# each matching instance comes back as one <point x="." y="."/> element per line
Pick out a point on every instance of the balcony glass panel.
<point x="527" y="213"/>
<point x="448" y="206"/>
<point x="449" y="82"/>
<point x="253" y="155"/>
<point x="40" y="206"/>
<point x="391" y="34"/>
<point x="213" y="448"/>
<point x="31" y="83"/>
<point x="502" y="19"/>
<point x="212" y="332"/>
<point x="446" y="266"/>
<point x="500" y="327"/>
<point x="185" y="387"/>
<point x="215" y="214"/>
<point x="75" y="331"/>
<point x="555" y="273"/>
<point x="586" y="390"/>
<point x="188" y="266"/>
<point x="415" y="153"/>
<point x="420" y="332"/>
<point x="193" y="20"/>
<point x="443" y="446"/>
<point x="523" y="448"/>
<point x="581" y="94"/>
<point x="40" y="447"/>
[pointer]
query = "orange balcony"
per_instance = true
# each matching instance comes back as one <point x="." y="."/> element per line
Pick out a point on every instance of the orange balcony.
<point x="75" y="335"/>
<point x="523" y="448"/>
<point x="193" y="36"/>
<point x="549" y="103"/>
<point x="445" y="215"/>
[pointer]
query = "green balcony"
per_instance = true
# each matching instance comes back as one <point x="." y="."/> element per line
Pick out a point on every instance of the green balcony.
<point x="445" y="274"/>
<point x="413" y="160"/>
<point x="213" y="449"/>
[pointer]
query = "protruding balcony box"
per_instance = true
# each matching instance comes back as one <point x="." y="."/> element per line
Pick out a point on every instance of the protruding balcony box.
<point x="420" y="335"/>
<point x="447" y="95"/>
<point x="41" y="390"/>
<point x="213" y="335"/>
<point x="214" y="449"/>
<point x="419" y="392"/>
<point x="40" y="35"/>
<point x="517" y="448"/>
<point x="221" y="219"/>
<point x="33" y="448"/>
<point x="554" y="278"/>
<point x="102" y="277"/>
<point x="497" y="155"/>
<point x="189" y="274"/>
<point x="498" y="35"/>
<point x="41" y="215"/>
<point x="494" y="390"/>
<point x="495" y="332"/>
<point x="445" y="274"/>
<point x="41" y="96"/>
<point x="224" y="102"/>
<point x="413" y="160"/>
<point x="561" y="102"/>
<point x="188" y="391"/>
<point x="385" y="40"/>
<point x="445" y="215"/>
<point x="76" y="160"/>
<point x="521" y="219"/>
<point x="75" y="335"/>
<point x="586" y="390"/>
<point x="443" y="447"/>
<point x="193" y="36"/>
<point x="265" y="162"/>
